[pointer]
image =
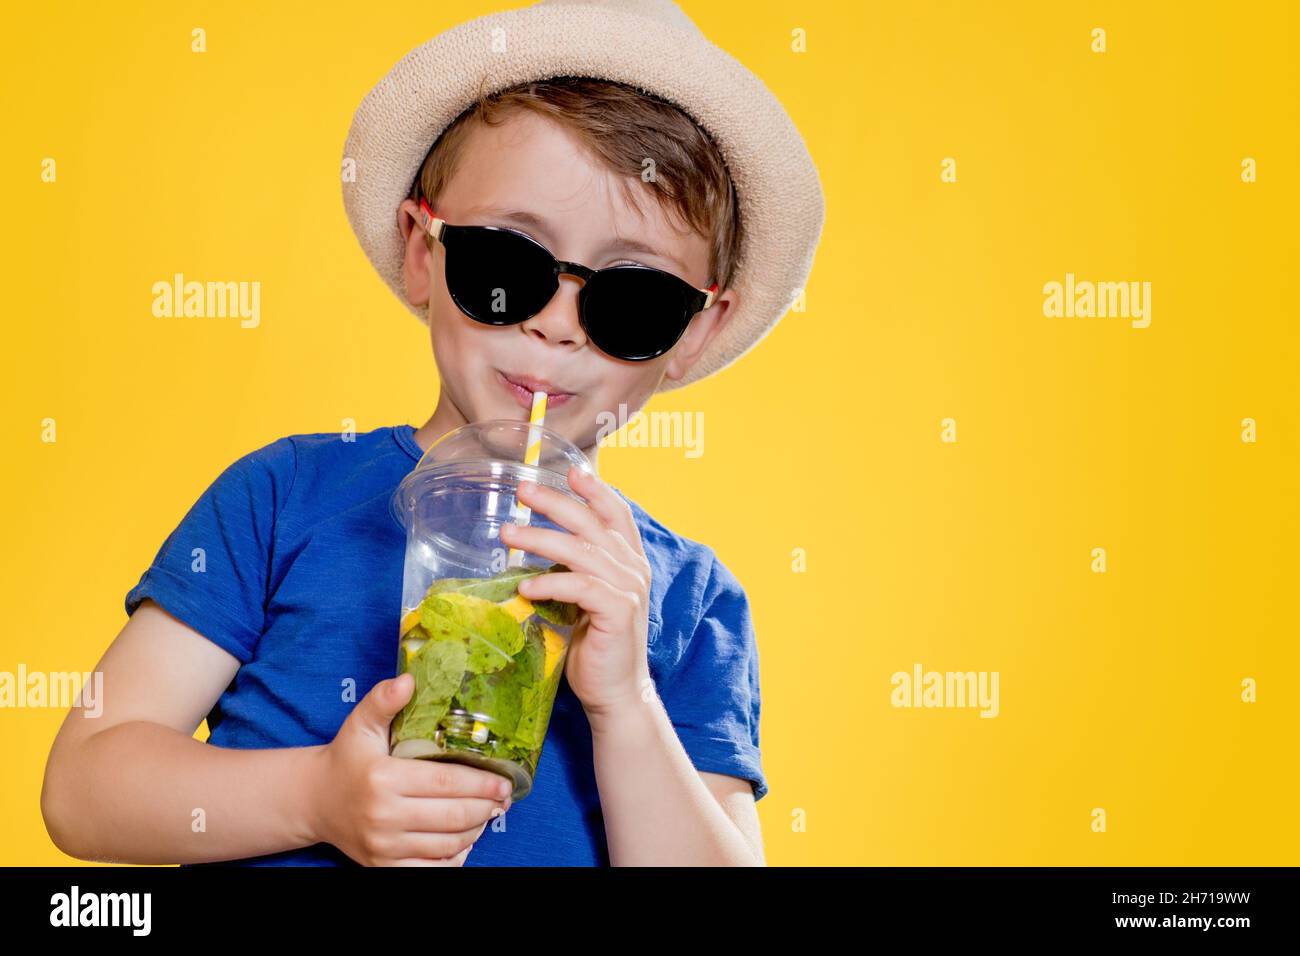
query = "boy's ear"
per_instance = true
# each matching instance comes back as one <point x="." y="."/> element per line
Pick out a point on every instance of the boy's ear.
<point x="415" y="263"/>
<point x="700" y="333"/>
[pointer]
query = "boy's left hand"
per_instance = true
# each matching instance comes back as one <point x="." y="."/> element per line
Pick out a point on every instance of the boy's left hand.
<point x="609" y="578"/>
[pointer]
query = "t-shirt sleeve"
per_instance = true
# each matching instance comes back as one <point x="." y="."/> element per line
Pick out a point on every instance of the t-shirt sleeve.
<point x="212" y="571"/>
<point x="712" y="695"/>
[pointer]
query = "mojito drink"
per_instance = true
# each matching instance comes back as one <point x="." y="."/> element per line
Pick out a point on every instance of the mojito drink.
<point x="487" y="663"/>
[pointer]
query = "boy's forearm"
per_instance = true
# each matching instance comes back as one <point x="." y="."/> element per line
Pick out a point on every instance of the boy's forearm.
<point x="657" y="810"/>
<point x="140" y="792"/>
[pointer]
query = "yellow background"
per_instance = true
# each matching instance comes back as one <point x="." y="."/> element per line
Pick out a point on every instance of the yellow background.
<point x="1118" y="690"/>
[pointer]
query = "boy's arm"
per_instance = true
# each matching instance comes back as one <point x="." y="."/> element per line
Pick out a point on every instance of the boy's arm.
<point x="679" y="769"/>
<point x="736" y="797"/>
<point x="659" y="810"/>
<point x="132" y="785"/>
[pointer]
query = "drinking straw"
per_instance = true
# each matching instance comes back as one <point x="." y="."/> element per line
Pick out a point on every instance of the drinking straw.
<point x="532" y="454"/>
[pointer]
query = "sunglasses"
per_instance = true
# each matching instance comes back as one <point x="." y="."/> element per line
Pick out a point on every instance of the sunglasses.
<point x="499" y="276"/>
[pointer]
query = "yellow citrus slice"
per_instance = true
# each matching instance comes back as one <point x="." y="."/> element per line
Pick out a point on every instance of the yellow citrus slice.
<point x="518" y="607"/>
<point x="409" y="621"/>
<point x="554" y="649"/>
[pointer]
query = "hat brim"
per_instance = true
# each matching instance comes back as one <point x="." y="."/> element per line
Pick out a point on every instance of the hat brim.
<point x="777" y="186"/>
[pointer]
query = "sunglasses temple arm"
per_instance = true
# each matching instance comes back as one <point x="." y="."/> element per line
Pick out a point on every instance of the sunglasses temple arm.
<point x="431" y="223"/>
<point x="709" y="295"/>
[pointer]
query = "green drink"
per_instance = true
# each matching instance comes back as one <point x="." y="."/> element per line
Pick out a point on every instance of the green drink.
<point x="487" y="663"/>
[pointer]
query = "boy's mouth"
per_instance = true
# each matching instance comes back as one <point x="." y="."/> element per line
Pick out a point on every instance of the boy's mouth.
<point x="522" y="388"/>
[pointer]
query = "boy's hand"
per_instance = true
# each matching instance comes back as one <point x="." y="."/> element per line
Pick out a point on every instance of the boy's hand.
<point x="396" y="811"/>
<point x="607" y="665"/>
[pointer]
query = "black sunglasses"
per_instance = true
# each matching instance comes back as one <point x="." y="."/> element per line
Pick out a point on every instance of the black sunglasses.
<point x="499" y="276"/>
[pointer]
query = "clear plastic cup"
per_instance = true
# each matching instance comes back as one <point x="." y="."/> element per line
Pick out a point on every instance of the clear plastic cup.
<point x="487" y="662"/>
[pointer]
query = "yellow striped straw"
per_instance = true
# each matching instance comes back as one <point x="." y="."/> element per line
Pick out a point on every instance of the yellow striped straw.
<point x="532" y="454"/>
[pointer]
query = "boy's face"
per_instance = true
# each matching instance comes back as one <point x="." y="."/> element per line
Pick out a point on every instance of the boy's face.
<point x="530" y="164"/>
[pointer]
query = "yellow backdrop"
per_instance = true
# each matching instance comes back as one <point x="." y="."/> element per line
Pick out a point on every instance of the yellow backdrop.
<point x="971" y="153"/>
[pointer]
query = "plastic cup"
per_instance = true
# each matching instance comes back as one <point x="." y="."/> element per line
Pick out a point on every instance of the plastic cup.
<point x="487" y="662"/>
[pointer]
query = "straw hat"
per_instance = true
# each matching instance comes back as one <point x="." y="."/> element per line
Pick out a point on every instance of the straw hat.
<point x="649" y="44"/>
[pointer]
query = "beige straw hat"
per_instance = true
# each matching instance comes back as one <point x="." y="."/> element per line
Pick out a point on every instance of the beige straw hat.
<point x="649" y="44"/>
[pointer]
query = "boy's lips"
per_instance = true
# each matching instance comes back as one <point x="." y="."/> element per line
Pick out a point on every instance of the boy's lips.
<point x="522" y="388"/>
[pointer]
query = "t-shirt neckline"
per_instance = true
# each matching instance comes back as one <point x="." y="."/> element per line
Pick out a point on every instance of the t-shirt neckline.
<point x="404" y="435"/>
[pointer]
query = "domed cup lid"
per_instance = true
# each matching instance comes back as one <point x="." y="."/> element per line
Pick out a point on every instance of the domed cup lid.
<point x="497" y="448"/>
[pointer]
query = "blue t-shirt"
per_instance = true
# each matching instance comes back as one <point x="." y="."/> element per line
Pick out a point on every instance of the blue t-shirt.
<point x="301" y="580"/>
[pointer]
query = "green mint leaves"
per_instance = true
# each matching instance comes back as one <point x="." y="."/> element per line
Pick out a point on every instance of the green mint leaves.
<point x="492" y="636"/>
<point x="470" y="652"/>
<point x="557" y="612"/>
<point x="500" y="587"/>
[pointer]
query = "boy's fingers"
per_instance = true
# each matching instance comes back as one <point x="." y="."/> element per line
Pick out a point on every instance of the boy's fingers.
<point x="378" y="708"/>
<point x="457" y="860"/>
<point x="397" y="693"/>
<point x="391" y="695"/>
<point x="611" y="508"/>
<point x="433" y="846"/>
<point x="434" y="778"/>
<point x="417" y="862"/>
<point x="448" y="815"/>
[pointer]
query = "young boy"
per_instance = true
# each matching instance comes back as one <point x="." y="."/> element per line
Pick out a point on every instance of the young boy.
<point x="280" y="590"/>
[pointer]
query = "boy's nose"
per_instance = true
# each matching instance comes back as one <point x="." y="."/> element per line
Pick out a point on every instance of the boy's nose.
<point x="558" y="322"/>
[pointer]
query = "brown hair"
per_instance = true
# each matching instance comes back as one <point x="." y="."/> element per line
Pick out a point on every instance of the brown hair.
<point x="621" y="127"/>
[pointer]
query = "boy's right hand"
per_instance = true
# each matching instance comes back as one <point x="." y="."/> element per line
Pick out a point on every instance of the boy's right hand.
<point x="396" y="811"/>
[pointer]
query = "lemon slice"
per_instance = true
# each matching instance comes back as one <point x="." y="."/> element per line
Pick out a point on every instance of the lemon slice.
<point x="408" y="622"/>
<point x="555" y="646"/>
<point x="518" y="607"/>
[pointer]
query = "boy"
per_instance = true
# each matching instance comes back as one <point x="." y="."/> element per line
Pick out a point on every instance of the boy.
<point x="282" y="584"/>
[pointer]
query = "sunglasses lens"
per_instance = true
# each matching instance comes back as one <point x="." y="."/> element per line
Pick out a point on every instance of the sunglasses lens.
<point x="498" y="277"/>
<point x="635" y="313"/>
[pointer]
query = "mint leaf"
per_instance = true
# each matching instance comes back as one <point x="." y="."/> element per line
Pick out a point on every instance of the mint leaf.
<point x="537" y="694"/>
<point x="442" y="665"/>
<point x="490" y="633"/>
<point x="562" y="613"/>
<point x="557" y="612"/>
<point x="420" y="719"/>
<point x="494" y="699"/>
<point x="499" y="587"/>
<point x="438" y="669"/>
<point x="531" y="659"/>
